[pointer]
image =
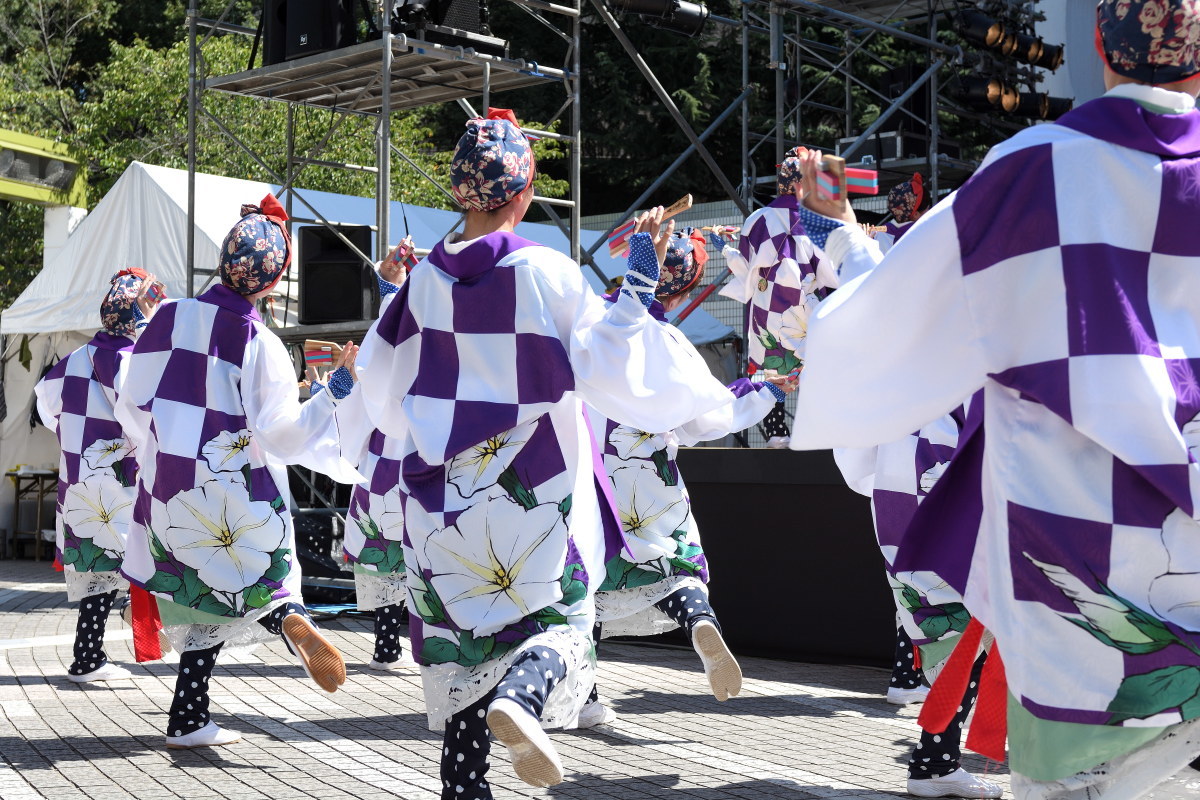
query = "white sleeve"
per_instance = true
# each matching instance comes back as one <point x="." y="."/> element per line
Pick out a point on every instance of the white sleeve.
<point x="354" y="425"/>
<point x="48" y="394"/>
<point x="625" y="361"/>
<point x="858" y="465"/>
<point x="740" y="287"/>
<point x="743" y="412"/>
<point x="895" y="348"/>
<point x="291" y="432"/>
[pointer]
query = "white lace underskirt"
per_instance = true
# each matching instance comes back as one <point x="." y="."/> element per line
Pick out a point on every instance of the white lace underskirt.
<point x="236" y="637"/>
<point x="90" y="584"/>
<point x="450" y="688"/>
<point x="378" y="589"/>
<point x="1126" y="777"/>
<point x="631" y="612"/>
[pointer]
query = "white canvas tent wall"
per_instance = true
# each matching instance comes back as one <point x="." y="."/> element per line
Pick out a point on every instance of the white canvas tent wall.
<point x="142" y="221"/>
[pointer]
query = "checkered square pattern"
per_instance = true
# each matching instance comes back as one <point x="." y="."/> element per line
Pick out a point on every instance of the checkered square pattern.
<point x="777" y="271"/>
<point x="77" y="399"/>
<point x="1064" y="278"/>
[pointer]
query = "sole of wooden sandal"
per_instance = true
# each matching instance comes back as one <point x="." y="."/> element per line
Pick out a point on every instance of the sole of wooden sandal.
<point x="534" y="758"/>
<point x="724" y="674"/>
<point x="320" y="659"/>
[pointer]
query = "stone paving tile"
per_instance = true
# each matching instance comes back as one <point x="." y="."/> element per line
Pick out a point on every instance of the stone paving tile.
<point x="798" y="732"/>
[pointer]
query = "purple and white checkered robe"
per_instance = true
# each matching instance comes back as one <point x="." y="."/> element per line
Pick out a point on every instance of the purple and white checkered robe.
<point x="97" y="469"/>
<point x="1064" y="279"/>
<point x="898" y="476"/>
<point x="480" y="367"/>
<point x="212" y="404"/>
<point x="781" y="276"/>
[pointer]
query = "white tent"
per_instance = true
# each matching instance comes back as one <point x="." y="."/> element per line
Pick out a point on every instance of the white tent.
<point x="142" y="221"/>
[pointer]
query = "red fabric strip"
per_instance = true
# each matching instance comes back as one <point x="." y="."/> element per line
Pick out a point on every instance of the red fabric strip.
<point x="947" y="692"/>
<point x="146" y="625"/>
<point x="989" y="729"/>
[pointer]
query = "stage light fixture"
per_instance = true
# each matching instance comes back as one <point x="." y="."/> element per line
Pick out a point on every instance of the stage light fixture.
<point x="979" y="28"/>
<point x="1028" y="48"/>
<point x="980" y="92"/>
<point x="1033" y="105"/>
<point x="677" y="16"/>
<point x="1050" y="58"/>
<point x="1057" y="106"/>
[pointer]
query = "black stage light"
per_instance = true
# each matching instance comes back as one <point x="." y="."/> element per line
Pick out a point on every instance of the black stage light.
<point x="980" y="92"/>
<point x="1033" y="105"/>
<point x="980" y="29"/>
<point x="1057" y="106"/>
<point x="1008" y="44"/>
<point x="678" y="16"/>
<point x="1029" y="48"/>
<point x="1051" y="57"/>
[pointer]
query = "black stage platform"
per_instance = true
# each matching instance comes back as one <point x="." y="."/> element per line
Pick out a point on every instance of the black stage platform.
<point x="796" y="572"/>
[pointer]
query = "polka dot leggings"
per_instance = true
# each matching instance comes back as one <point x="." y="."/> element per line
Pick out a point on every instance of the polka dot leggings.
<point x="387" y="634"/>
<point x="466" y="745"/>
<point x="905" y="675"/>
<point x="938" y="754"/>
<point x="189" y="706"/>
<point x="686" y="607"/>
<point x="775" y="423"/>
<point x="88" y="653"/>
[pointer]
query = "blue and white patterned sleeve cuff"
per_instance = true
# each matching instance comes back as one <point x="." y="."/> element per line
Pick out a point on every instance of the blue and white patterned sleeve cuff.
<point x="780" y="396"/>
<point x="385" y="287"/>
<point x="718" y="240"/>
<point x="641" y="279"/>
<point x="139" y="319"/>
<point x="817" y="226"/>
<point x="341" y="382"/>
<point x="315" y="389"/>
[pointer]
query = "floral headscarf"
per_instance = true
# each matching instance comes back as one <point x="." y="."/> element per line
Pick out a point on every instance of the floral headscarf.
<point x="493" y="162"/>
<point x="258" y="250"/>
<point x="683" y="266"/>
<point x="788" y="172"/>
<point x="117" y="315"/>
<point x="904" y="200"/>
<point x="1152" y="41"/>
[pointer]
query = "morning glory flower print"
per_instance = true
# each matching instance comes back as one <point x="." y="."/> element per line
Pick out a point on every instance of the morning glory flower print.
<point x="632" y="443"/>
<point x="479" y="467"/>
<point x="99" y="509"/>
<point x="227" y="451"/>
<point x="511" y="571"/>
<point x="649" y="511"/>
<point x="103" y="453"/>
<point x="227" y="538"/>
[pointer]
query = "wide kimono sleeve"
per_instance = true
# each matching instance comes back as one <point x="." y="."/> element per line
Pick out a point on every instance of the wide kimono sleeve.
<point x="291" y="432"/>
<point x="627" y="365"/>
<point x="48" y="394"/>
<point x="895" y="348"/>
<point x="744" y="261"/>
<point x="751" y="402"/>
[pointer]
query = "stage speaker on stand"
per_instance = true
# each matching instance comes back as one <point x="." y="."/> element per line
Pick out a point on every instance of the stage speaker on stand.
<point x="335" y="284"/>
<point x="297" y="28"/>
<point x="452" y="23"/>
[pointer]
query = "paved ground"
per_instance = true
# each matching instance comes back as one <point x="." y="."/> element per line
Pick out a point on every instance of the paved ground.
<point x="798" y="731"/>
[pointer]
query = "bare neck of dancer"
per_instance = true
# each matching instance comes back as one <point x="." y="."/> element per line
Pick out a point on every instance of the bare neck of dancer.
<point x="504" y="218"/>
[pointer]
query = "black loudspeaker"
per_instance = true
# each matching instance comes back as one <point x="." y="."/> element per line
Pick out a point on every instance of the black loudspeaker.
<point x="335" y="284"/>
<point x="314" y="26"/>
<point x="274" y="31"/>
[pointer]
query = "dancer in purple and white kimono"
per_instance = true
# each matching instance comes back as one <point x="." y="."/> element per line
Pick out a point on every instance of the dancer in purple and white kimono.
<point x="898" y="476"/>
<point x="1062" y="279"/>
<point x="906" y="202"/>
<point x="659" y="581"/>
<point x="780" y="276"/>
<point x="97" y="470"/>
<point x="481" y="366"/>
<point x="212" y="406"/>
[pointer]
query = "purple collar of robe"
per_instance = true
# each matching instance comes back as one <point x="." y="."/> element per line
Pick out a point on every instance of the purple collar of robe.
<point x="227" y="298"/>
<point x="784" y="201"/>
<point x="106" y="341"/>
<point x="480" y="256"/>
<point x="1124" y="122"/>
<point x="656" y="308"/>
